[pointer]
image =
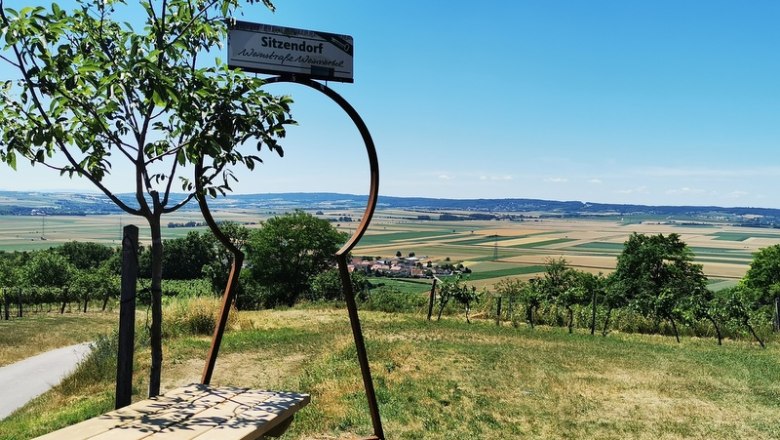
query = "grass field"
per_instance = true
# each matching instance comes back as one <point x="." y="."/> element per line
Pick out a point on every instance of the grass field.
<point x="451" y="380"/>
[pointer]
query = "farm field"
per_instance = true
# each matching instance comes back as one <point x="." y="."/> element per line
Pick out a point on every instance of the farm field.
<point x="491" y="249"/>
<point x="496" y="249"/>
<point x="452" y="380"/>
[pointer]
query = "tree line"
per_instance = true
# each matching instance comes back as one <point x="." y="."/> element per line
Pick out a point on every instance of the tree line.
<point x="289" y="258"/>
<point x="655" y="282"/>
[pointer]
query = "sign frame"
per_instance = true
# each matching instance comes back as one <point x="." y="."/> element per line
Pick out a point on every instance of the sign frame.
<point x="279" y="50"/>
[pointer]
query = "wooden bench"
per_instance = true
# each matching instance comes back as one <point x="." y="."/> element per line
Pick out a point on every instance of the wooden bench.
<point x="193" y="411"/>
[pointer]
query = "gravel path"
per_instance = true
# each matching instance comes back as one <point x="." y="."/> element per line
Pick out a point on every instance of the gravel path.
<point x="24" y="380"/>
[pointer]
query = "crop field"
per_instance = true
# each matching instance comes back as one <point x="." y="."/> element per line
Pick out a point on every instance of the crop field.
<point x="491" y="249"/>
<point x="497" y="249"/>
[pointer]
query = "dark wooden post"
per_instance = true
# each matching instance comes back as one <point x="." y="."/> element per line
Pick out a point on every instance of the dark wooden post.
<point x="430" y="300"/>
<point x="498" y="312"/>
<point x="593" y="315"/>
<point x="7" y="300"/>
<point x="124" y="365"/>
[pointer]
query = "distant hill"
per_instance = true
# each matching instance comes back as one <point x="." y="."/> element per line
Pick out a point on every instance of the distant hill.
<point x="66" y="203"/>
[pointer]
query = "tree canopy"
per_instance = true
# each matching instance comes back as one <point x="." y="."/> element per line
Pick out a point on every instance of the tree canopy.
<point x="94" y="91"/>
<point x="288" y="252"/>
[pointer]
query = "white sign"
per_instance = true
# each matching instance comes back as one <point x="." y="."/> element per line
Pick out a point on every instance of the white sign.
<point x="278" y="50"/>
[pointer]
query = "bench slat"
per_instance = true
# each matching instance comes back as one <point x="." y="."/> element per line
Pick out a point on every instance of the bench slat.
<point x="193" y="411"/>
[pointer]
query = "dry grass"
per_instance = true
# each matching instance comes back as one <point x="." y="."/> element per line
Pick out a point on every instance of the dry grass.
<point x="36" y="333"/>
<point x="451" y="380"/>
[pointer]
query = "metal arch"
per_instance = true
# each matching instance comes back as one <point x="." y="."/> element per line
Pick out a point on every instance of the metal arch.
<point x="343" y="253"/>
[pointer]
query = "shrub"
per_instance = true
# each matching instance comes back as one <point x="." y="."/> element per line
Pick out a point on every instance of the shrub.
<point x="194" y="316"/>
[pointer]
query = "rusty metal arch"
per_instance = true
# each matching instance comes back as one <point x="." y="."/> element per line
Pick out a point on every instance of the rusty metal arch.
<point x="343" y="253"/>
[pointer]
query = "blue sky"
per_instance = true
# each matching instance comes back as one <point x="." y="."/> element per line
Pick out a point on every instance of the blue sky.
<point x="662" y="102"/>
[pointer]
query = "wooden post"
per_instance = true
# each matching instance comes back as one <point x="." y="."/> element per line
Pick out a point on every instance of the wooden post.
<point x="7" y="300"/>
<point x="431" y="299"/>
<point x="19" y="299"/>
<point x="498" y="312"/>
<point x="124" y="365"/>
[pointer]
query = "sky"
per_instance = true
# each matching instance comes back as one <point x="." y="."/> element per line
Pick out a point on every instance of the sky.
<point x="611" y="101"/>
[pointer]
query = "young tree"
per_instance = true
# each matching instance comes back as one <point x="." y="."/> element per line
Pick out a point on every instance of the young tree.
<point x="93" y="92"/>
<point x="287" y="252"/>
<point x="512" y="290"/>
<point x="763" y="278"/>
<point x="654" y="274"/>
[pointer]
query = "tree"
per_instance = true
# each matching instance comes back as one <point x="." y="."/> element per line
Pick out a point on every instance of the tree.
<point x="287" y="252"/>
<point x="453" y="288"/>
<point x="327" y="285"/>
<point x="185" y="257"/>
<point x="218" y="269"/>
<point x="763" y="277"/>
<point x="85" y="255"/>
<point x="654" y="274"/>
<point x="511" y="289"/>
<point x="560" y="285"/>
<point x="93" y="91"/>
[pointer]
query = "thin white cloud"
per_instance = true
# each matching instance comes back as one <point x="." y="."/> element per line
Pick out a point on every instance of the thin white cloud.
<point x="445" y="177"/>
<point x="736" y="195"/>
<point x="496" y="178"/>
<point x="710" y="172"/>
<point x="556" y="180"/>
<point x="595" y="181"/>
<point x="685" y="191"/>
<point x="637" y="190"/>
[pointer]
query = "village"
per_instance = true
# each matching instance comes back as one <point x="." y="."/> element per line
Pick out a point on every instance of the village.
<point x="410" y="266"/>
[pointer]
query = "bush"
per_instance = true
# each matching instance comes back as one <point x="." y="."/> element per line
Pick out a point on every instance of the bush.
<point x="194" y="316"/>
<point x="386" y="299"/>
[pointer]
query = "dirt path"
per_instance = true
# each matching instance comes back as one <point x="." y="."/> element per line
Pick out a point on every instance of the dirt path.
<point x="24" y="380"/>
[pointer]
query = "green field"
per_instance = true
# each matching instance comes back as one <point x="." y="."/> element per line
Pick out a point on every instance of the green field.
<point x="742" y="236"/>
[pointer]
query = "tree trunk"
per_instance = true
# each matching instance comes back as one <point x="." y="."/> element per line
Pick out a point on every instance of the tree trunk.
<point x="467" y="314"/>
<point x="753" y="332"/>
<point x="155" y="371"/>
<point x="431" y="299"/>
<point x="593" y="315"/>
<point x="105" y="302"/>
<point x="498" y="312"/>
<point x="605" y="330"/>
<point x="531" y="316"/>
<point x="86" y="301"/>
<point x="674" y="327"/>
<point x="64" y="300"/>
<point x="717" y="329"/>
<point x="19" y="299"/>
<point x="777" y="314"/>
<point x="571" y="319"/>
<point x="7" y="300"/>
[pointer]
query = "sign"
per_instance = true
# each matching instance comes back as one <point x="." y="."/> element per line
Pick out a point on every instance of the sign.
<point x="278" y="50"/>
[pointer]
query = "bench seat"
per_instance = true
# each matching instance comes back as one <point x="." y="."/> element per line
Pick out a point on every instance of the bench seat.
<point x="194" y="411"/>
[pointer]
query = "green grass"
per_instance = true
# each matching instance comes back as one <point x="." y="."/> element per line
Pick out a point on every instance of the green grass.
<point x="600" y="246"/>
<point x="742" y="236"/>
<point x="542" y="243"/>
<point x="496" y="273"/>
<point x="393" y="237"/>
<point x="452" y="380"/>
<point x="403" y="285"/>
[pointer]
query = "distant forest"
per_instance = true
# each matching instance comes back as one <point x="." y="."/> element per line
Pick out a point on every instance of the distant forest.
<point x="40" y="203"/>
